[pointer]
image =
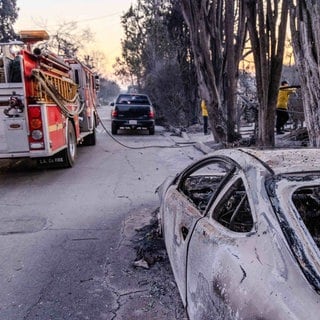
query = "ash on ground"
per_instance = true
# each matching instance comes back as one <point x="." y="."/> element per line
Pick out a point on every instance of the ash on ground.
<point x="152" y="261"/>
<point x="149" y="244"/>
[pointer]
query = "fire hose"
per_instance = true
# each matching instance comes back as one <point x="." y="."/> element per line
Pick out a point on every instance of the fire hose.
<point x="56" y="96"/>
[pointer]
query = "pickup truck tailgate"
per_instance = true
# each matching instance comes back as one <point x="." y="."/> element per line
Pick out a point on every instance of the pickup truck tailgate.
<point x="132" y="112"/>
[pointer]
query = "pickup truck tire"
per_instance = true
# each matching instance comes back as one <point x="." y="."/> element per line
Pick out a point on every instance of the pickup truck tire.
<point x="151" y="130"/>
<point x="114" y="128"/>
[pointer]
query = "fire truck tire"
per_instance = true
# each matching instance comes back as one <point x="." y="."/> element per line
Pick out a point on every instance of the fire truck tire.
<point x="69" y="154"/>
<point x="90" y="140"/>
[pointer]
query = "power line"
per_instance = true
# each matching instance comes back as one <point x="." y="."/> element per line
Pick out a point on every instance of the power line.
<point x="83" y="20"/>
<point x="88" y="19"/>
<point x="99" y="18"/>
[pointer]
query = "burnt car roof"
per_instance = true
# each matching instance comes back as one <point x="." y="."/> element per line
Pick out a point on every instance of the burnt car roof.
<point x="278" y="160"/>
<point x="289" y="160"/>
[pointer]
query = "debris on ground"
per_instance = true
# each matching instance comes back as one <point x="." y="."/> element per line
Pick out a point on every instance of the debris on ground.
<point x="141" y="263"/>
<point x="149" y="244"/>
<point x="151" y="268"/>
<point x="291" y="138"/>
<point x="297" y="137"/>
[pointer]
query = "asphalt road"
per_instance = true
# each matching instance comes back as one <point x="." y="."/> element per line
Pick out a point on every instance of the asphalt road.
<point x="70" y="237"/>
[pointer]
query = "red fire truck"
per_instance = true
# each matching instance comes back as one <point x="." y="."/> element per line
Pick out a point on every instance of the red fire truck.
<point x="47" y="104"/>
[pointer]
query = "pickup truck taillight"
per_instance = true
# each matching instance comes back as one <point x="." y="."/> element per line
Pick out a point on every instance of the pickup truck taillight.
<point x="151" y="114"/>
<point x="114" y="113"/>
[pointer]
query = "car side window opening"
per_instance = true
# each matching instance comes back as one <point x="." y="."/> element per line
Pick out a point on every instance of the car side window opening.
<point x="233" y="210"/>
<point x="201" y="184"/>
<point x="307" y="203"/>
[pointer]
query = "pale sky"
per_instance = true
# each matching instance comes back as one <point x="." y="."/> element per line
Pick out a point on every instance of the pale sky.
<point x="101" y="16"/>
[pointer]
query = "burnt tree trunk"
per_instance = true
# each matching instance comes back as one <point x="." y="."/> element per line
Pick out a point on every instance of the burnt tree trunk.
<point x="197" y="21"/>
<point x="305" y="30"/>
<point x="267" y="35"/>
<point x="217" y="39"/>
<point x="230" y="85"/>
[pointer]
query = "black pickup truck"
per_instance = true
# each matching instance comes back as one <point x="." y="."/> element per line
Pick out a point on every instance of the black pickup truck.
<point x="132" y="111"/>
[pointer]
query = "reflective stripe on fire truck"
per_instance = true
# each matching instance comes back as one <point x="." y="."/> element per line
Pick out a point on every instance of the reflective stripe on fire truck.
<point x="56" y="127"/>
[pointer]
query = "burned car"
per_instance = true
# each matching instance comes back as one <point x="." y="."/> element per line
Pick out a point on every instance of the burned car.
<point x="242" y="232"/>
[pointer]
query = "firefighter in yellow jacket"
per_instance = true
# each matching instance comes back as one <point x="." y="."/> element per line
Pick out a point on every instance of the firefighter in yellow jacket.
<point x="204" y="113"/>
<point x="282" y="106"/>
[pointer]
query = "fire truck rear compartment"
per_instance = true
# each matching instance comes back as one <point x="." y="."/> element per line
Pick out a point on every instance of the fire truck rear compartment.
<point x="13" y="130"/>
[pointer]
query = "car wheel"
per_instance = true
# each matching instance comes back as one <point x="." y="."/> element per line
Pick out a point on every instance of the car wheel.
<point x="114" y="128"/>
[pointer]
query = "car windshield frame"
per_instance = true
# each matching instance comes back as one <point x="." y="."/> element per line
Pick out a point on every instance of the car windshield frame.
<point x="227" y="164"/>
<point x="281" y="189"/>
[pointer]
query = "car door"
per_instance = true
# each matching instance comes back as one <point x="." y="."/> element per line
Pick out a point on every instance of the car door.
<point x="239" y="265"/>
<point x="186" y="203"/>
<point x="221" y="254"/>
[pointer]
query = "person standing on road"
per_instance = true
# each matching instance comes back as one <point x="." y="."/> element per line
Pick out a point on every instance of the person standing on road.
<point x="204" y="112"/>
<point x="282" y="106"/>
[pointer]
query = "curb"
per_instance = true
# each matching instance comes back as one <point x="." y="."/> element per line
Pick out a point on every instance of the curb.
<point x="201" y="146"/>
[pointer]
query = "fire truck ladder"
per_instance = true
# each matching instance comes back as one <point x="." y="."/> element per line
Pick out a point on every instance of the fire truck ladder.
<point x="61" y="90"/>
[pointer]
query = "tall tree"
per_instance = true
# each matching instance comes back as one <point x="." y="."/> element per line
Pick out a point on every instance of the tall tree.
<point x="108" y="90"/>
<point x="156" y="57"/>
<point x="267" y="24"/>
<point x="217" y="32"/>
<point x="8" y="16"/>
<point x="133" y="44"/>
<point x="67" y="40"/>
<point x="179" y="38"/>
<point x="145" y="42"/>
<point x="305" y="30"/>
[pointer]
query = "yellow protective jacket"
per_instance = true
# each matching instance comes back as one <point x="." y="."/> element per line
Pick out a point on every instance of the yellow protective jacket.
<point x="283" y="97"/>
<point x="204" y="110"/>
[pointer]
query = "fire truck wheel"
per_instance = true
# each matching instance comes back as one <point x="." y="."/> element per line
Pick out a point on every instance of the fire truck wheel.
<point x="69" y="154"/>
